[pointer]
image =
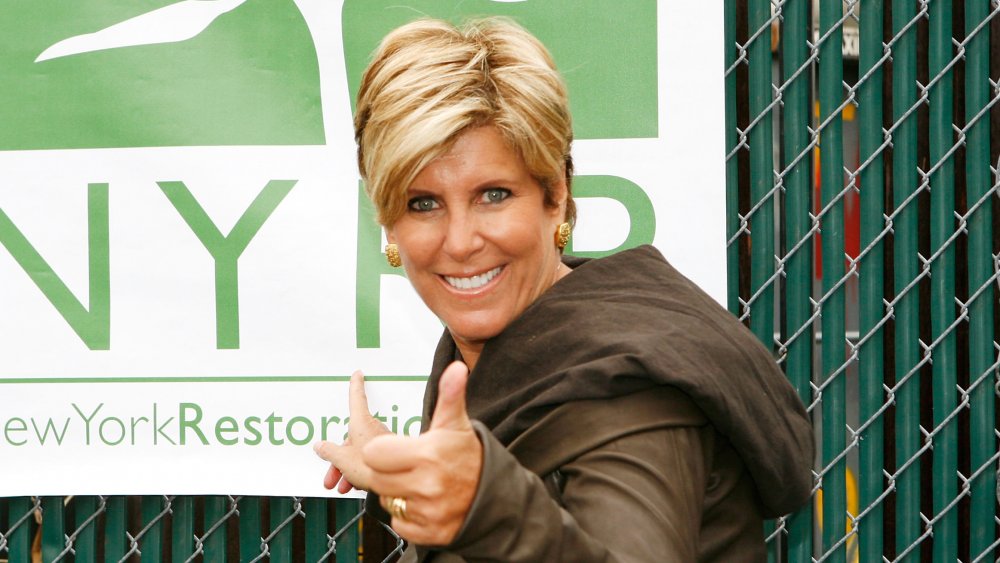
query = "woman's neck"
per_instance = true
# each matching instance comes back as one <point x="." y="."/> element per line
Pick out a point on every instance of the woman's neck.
<point x="470" y="352"/>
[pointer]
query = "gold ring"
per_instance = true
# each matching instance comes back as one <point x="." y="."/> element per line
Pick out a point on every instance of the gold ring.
<point x="395" y="506"/>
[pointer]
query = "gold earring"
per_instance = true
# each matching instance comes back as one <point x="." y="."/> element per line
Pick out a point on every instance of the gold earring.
<point x="562" y="235"/>
<point x="392" y="255"/>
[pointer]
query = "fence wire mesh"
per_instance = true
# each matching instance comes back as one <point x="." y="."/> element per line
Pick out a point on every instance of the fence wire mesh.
<point x="186" y="529"/>
<point x="863" y="249"/>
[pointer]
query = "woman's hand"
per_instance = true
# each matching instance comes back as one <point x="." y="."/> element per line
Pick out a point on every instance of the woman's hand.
<point x="435" y="474"/>
<point x="347" y="468"/>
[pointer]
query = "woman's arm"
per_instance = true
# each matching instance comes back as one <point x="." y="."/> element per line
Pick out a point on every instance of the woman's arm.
<point x="637" y="498"/>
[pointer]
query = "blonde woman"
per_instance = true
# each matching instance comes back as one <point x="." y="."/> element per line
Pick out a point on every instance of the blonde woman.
<point x="601" y="410"/>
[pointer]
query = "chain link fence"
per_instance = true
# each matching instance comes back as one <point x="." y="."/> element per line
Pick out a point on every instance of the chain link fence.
<point x="863" y="249"/>
<point x="186" y="528"/>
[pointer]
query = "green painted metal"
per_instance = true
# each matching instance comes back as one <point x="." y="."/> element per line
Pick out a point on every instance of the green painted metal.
<point x="250" y="528"/>
<point x="798" y="205"/>
<point x="871" y="460"/>
<point x="19" y="539"/>
<point x="348" y="542"/>
<point x="761" y="183"/>
<point x="216" y="508"/>
<point x="316" y="527"/>
<point x="281" y="541"/>
<point x="831" y="74"/>
<point x="761" y="177"/>
<point x="85" y="509"/>
<point x="982" y="416"/>
<point x="906" y="310"/>
<point x="182" y="532"/>
<point x="53" y="529"/>
<point x="114" y="529"/>
<point x="732" y="165"/>
<point x="151" y="544"/>
<point x="945" y="376"/>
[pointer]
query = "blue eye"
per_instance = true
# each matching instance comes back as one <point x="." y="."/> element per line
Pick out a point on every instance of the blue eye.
<point x="495" y="195"/>
<point x="423" y="204"/>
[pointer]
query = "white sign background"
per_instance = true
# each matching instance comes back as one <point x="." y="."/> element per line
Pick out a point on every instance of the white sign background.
<point x="296" y="290"/>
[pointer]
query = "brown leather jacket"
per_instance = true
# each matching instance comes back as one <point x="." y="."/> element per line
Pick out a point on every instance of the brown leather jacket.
<point x="643" y="477"/>
<point x="630" y="418"/>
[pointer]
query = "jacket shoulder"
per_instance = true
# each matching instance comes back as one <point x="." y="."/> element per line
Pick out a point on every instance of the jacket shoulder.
<point x="577" y="427"/>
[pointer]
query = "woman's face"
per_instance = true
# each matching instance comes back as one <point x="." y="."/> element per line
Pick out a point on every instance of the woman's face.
<point x="477" y="241"/>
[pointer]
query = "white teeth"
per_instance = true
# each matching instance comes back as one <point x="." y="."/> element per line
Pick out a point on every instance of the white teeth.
<point x="473" y="282"/>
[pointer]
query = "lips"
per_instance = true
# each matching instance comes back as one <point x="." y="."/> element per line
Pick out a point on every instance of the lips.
<point x="473" y="282"/>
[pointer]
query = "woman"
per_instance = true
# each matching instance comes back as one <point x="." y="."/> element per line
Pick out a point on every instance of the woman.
<point x="576" y="410"/>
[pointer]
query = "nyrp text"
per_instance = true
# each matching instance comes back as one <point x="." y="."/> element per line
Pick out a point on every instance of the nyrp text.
<point x="183" y="424"/>
<point x="93" y="323"/>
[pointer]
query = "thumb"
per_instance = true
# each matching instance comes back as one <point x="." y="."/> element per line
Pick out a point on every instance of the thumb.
<point x="449" y="412"/>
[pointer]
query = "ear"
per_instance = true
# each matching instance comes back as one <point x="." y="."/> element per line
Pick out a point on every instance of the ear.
<point x="390" y="236"/>
<point x="560" y="194"/>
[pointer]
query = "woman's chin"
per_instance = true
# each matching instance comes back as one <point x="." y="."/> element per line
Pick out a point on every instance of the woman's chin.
<point x="474" y="334"/>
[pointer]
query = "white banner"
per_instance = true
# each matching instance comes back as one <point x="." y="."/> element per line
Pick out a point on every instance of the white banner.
<point x="187" y="273"/>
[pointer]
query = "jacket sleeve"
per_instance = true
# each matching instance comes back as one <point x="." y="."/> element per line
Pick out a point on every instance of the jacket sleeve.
<point x="636" y="498"/>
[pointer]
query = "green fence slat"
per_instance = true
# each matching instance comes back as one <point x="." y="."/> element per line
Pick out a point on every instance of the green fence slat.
<point x="761" y="177"/>
<point x="906" y="311"/>
<point x="19" y="538"/>
<point x="53" y="530"/>
<point x="114" y="529"/>
<point x="761" y="184"/>
<point x="982" y="445"/>
<point x="84" y="508"/>
<point x="831" y="76"/>
<point x="732" y="174"/>
<point x="216" y="508"/>
<point x="798" y="206"/>
<point x="182" y="528"/>
<point x="250" y="535"/>
<point x="281" y="543"/>
<point x="942" y="299"/>
<point x="151" y="542"/>
<point x="871" y="289"/>
<point x="348" y="542"/>
<point x="316" y="527"/>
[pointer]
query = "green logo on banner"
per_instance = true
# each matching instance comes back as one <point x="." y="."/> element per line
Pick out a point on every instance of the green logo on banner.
<point x="606" y="51"/>
<point x="123" y="73"/>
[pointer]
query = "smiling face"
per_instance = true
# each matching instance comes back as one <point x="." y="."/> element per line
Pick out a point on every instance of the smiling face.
<point x="477" y="240"/>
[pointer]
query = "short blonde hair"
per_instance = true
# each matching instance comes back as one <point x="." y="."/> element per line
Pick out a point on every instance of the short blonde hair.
<point x="429" y="81"/>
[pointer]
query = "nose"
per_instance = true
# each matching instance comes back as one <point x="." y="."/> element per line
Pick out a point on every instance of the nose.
<point x="463" y="238"/>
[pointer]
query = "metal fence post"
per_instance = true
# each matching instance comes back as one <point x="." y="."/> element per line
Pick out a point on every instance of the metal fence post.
<point x="871" y="369"/>
<point x="942" y="264"/>
<point x="732" y="174"/>
<point x="796" y="178"/>
<point x="906" y="304"/>
<point x="831" y="93"/>
<point x="980" y="190"/>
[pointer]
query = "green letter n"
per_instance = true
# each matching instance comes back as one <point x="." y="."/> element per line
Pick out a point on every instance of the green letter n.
<point x="92" y="326"/>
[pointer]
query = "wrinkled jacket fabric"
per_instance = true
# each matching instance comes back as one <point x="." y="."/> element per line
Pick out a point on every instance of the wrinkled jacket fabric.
<point x="625" y="416"/>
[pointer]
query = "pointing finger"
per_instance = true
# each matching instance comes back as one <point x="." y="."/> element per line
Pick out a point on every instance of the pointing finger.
<point x="357" y="396"/>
